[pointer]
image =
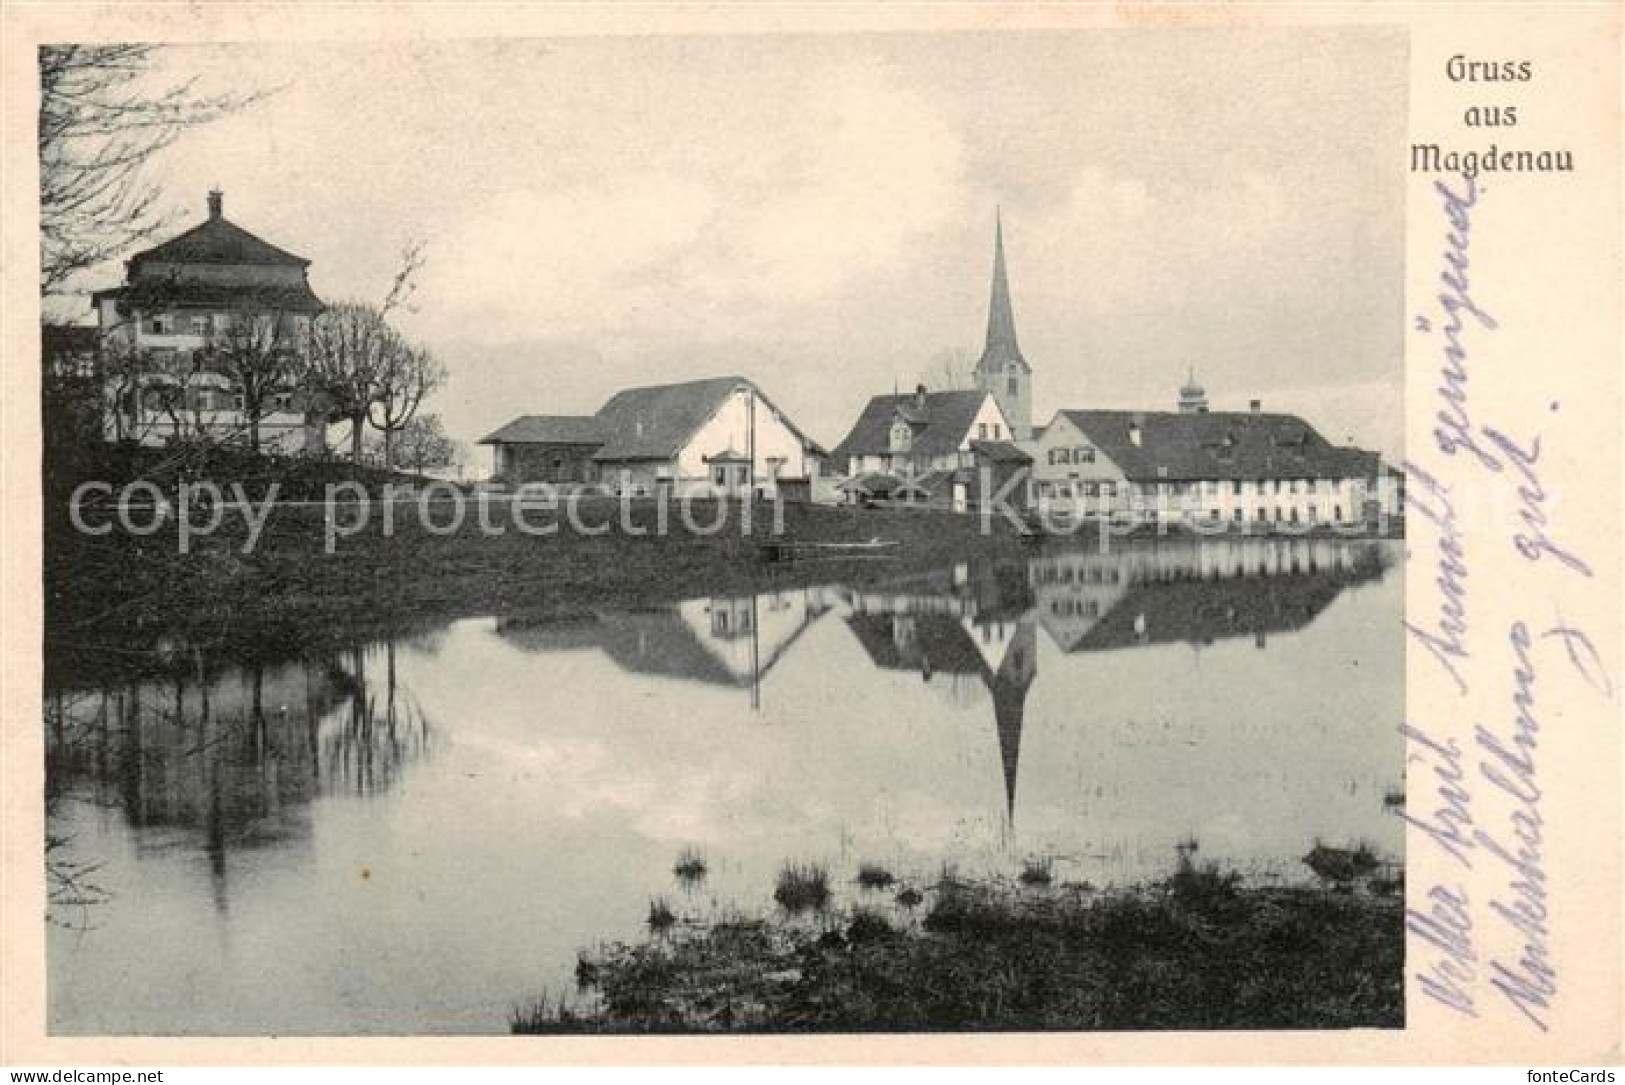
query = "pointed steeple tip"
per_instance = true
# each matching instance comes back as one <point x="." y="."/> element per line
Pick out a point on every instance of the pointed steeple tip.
<point x="1001" y="348"/>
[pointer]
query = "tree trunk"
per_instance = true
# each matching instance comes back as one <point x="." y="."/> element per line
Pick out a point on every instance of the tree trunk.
<point x="355" y="439"/>
<point x="389" y="449"/>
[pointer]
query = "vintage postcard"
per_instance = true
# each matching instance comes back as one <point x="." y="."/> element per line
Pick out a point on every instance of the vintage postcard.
<point x="798" y="533"/>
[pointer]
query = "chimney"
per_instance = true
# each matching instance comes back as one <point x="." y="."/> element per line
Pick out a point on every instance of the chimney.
<point x="216" y="202"/>
<point x="1134" y="432"/>
<point x="919" y="396"/>
<point x="1255" y="405"/>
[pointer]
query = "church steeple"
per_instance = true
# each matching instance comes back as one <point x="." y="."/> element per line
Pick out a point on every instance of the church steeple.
<point x="1002" y="370"/>
<point x="1001" y="348"/>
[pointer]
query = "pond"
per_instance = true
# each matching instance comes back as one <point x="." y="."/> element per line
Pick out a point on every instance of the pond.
<point x="417" y="835"/>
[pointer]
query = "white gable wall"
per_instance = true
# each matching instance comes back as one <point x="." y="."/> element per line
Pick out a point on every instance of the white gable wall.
<point x="729" y="429"/>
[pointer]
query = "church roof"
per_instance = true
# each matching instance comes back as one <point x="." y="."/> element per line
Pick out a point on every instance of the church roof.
<point x="1001" y="348"/>
<point x="940" y="424"/>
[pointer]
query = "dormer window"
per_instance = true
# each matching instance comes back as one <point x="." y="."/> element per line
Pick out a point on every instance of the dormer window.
<point x="901" y="436"/>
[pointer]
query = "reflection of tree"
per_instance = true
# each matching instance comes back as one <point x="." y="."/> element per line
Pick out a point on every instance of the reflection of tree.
<point x="230" y="761"/>
<point x="372" y="743"/>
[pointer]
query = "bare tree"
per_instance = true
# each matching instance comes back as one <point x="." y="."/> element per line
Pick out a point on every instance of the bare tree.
<point x="408" y="374"/>
<point x="261" y="351"/>
<point x="345" y="351"/>
<point x="422" y="444"/>
<point x="952" y="367"/>
<point x="101" y="118"/>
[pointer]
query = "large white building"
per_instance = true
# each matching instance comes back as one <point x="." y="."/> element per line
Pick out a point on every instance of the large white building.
<point x="1200" y="466"/>
<point x="184" y="304"/>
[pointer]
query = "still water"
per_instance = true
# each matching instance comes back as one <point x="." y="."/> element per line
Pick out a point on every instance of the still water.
<point x="416" y="835"/>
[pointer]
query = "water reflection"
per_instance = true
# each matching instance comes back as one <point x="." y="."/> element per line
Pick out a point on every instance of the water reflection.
<point x="278" y="825"/>
<point x="230" y="761"/>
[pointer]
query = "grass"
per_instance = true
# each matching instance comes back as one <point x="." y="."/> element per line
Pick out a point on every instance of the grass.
<point x="1195" y="951"/>
<point x="1342" y="866"/>
<point x="874" y="876"/>
<point x="802" y="887"/>
<point x="289" y="597"/>
<point x="661" y="918"/>
<point x="690" y="868"/>
<point x="1035" y="872"/>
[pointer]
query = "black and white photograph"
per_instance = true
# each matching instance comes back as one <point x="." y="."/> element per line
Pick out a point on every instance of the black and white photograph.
<point x="766" y="533"/>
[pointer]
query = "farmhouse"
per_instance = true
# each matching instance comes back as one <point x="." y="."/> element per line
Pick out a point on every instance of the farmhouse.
<point x="718" y="436"/>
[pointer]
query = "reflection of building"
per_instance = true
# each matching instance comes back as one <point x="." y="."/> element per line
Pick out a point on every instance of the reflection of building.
<point x="187" y="305"/>
<point x="723" y="640"/>
<point x="1090" y="601"/>
<point x="715" y="436"/>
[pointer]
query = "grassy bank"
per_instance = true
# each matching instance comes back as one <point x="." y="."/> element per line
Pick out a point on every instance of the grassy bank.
<point x="291" y="593"/>
<point x="1193" y="952"/>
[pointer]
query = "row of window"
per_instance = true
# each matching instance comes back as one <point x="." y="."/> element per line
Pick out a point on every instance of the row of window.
<point x="1264" y="487"/>
<point x="1082" y="454"/>
<point x="207" y="399"/>
<point x="982" y="431"/>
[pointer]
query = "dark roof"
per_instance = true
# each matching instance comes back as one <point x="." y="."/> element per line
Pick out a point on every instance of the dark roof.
<point x="655" y="422"/>
<point x="217" y="241"/>
<point x="1197" y="611"/>
<point x="1000" y="452"/>
<point x="1178" y="446"/>
<point x="548" y="429"/>
<point x="155" y="292"/>
<point x="940" y="427"/>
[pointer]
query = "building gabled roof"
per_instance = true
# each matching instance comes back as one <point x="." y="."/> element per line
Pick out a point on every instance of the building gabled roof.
<point x="217" y="240"/>
<point x="1218" y="445"/>
<point x="548" y="429"/>
<point x="654" y="423"/>
<point x="1000" y="451"/>
<point x="940" y="428"/>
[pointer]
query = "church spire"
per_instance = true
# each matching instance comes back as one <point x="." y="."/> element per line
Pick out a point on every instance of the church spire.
<point x="1002" y="347"/>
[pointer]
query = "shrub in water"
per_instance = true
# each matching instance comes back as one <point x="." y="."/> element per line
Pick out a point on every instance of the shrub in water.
<point x="802" y="887"/>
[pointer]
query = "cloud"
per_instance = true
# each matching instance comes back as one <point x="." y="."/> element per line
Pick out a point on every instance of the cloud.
<point x="779" y="219"/>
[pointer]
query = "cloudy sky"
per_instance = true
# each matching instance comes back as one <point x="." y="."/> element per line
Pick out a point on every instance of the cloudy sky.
<point x="817" y="213"/>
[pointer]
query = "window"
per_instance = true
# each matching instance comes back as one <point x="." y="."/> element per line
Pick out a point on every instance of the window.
<point x="1014" y="387"/>
<point x="1238" y="487"/>
<point x="998" y="432"/>
<point x="1085" y="455"/>
<point x="199" y="325"/>
<point x="1237" y="516"/>
<point x="981" y="430"/>
<point x="161" y="324"/>
<point x="1108" y="489"/>
<point x="720" y="475"/>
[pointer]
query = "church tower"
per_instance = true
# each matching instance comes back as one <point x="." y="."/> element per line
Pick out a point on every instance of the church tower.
<point x="1002" y="370"/>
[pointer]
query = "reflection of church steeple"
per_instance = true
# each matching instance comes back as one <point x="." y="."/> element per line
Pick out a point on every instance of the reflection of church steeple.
<point x="1009" y="687"/>
<point x="984" y="627"/>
